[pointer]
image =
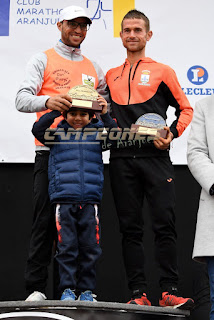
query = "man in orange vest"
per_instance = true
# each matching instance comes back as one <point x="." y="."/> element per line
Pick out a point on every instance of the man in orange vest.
<point x="49" y="76"/>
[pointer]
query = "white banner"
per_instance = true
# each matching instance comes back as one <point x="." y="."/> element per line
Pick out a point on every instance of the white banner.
<point x="182" y="38"/>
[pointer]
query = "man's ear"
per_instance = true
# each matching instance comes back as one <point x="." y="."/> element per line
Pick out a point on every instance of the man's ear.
<point x="59" y="25"/>
<point x="149" y="35"/>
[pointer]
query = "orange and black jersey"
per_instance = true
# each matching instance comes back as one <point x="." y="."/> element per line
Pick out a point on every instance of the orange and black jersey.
<point x="147" y="87"/>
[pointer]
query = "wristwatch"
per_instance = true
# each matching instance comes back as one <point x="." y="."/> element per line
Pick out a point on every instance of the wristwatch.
<point x="212" y="190"/>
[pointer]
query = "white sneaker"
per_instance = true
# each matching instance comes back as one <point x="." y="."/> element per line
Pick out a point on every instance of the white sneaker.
<point x="36" y="296"/>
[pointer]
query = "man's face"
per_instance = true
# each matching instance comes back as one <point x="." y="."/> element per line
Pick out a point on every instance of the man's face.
<point x="77" y="118"/>
<point x="70" y="35"/>
<point x="134" y="35"/>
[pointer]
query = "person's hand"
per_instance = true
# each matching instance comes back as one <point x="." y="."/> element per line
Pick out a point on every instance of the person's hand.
<point x="163" y="144"/>
<point x="60" y="102"/>
<point x="103" y="103"/>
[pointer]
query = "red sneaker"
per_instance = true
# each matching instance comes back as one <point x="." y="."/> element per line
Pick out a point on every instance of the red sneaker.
<point x="143" y="301"/>
<point x="173" y="301"/>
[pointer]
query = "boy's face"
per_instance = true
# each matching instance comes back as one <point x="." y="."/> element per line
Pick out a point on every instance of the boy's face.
<point x="77" y="118"/>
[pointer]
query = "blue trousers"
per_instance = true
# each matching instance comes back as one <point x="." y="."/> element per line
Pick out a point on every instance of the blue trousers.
<point x="210" y="268"/>
<point x="78" y="245"/>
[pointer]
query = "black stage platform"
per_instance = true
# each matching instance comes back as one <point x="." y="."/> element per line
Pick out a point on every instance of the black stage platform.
<point x="79" y="310"/>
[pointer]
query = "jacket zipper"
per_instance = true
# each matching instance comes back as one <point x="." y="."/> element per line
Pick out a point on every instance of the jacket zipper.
<point x="81" y="166"/>
<point x="132" y="79"/>
<point x="129" y="84"/>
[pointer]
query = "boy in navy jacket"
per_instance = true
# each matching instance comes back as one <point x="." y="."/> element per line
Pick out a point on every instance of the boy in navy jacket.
<point x="75" y="189"/>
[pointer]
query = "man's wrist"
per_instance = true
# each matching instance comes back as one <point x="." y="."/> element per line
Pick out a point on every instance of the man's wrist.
<point x="46" y="103"/>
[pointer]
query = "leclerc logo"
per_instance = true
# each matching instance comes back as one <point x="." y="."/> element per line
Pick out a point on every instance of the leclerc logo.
<point x="197" y="75"/>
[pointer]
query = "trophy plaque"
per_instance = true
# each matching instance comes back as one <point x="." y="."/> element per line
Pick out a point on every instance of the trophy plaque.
<point x="150" y="124"/>
<point x="85" y="97"/>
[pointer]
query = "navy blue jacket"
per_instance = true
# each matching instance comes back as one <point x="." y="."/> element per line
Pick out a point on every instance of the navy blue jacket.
<point x="75" y="163"/>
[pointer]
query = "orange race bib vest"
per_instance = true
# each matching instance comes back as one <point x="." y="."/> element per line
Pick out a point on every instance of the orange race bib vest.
<point x="61" y="75"/>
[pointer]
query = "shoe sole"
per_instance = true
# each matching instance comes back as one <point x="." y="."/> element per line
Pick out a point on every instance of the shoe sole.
<point x="33" y="300"/>
<point x="189" y="305"/>
<point x="132" y="302"/>
<point x="94" y="300"/>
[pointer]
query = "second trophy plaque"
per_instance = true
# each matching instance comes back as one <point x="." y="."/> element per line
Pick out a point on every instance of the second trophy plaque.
<point x="150" y="124"/>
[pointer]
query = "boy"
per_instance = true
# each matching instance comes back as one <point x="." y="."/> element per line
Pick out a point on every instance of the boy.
<point x="75" y="188"/>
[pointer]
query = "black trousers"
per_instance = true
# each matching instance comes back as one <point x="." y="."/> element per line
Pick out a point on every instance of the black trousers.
<point x="43" y="228"/>
<point x="131" y="180"/>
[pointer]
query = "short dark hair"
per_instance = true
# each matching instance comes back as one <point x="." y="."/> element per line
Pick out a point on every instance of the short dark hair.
<point x="135" y="14"/>
<point x="90" y="112"/>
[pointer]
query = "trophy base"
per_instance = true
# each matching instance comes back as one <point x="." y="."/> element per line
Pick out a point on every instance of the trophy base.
<point x="86" y="104"/>
<point x="149" y="131"/>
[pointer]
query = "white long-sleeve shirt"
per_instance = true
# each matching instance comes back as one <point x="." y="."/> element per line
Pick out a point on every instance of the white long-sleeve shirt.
<point x="27" y="99"/>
